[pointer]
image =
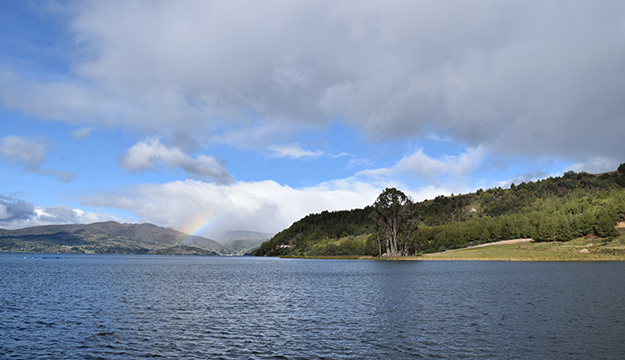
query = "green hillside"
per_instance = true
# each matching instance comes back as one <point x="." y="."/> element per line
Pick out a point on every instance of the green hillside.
<point x="554" y="209"/>
<point x="103" y="238"/>
<point x="182" y="250"/>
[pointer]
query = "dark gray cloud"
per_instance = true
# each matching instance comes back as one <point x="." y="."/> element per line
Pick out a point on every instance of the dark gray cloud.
<point x="16" y="213"/>
<point x="534" y="78"/>
<point x="60" y="214"/>
<point x="13" y="209"/>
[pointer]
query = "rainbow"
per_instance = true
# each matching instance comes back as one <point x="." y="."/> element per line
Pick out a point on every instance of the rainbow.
<point x="198" y="227"/>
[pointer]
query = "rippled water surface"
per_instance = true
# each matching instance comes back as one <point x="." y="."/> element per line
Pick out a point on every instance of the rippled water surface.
<point x="123" y="306"/>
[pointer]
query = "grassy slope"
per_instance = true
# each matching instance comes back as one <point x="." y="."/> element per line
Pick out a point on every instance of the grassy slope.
<point x="103" y="237"/>
<point x="588" y="248"/>
<point x="581" y="249"/>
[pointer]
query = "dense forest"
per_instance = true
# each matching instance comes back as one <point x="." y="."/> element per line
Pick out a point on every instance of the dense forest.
<point x="553" y="209"/>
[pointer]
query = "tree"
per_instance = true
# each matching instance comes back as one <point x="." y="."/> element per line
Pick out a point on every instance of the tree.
<point x="546" y="228"/>
<point x="606" y="220"/>
<point x="621" y="175"/>
<point x="391" y="211"/>
<point x="378" y="240"/>
<point x="565" y="233"/>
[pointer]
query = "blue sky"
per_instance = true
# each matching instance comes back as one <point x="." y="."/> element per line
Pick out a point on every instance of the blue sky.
<point x="249" y="115"/>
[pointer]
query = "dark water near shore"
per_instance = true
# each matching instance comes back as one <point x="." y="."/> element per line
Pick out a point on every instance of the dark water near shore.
<point x="122" y="306"/>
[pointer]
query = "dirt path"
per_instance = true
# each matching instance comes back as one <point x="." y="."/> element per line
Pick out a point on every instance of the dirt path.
<point x="494" y="243"/>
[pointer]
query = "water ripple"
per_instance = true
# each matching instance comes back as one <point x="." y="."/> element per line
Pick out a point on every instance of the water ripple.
<point x="118" y="307"/>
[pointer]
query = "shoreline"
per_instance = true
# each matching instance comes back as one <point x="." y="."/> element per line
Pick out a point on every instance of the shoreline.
<point x="580" y="249"/>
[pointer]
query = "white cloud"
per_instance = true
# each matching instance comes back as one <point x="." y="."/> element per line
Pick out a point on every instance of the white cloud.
<point x="359" y="162"/>
<point x="82" y="132"/>
<point x="527" y="177"/>
<point x="259" y="206"/>
<point x="31" y="153"/>
<point x="596" y="165"/>
<point x="145" y="155"/>
<point x="293" y="151"/>
<point x="24" y="150"/>
<point x="420" y="165"/>
<point x="264" y="206"/>
<point x="61" y="175"/>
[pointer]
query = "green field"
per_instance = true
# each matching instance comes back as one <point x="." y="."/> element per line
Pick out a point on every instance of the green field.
<point x="581" y="249"/>
<point x="589" y="248"/>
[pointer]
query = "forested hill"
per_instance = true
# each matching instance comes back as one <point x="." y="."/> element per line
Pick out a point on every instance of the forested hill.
<point x="553" y="209"/>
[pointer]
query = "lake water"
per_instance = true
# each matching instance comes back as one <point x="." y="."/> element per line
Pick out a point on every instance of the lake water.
<point x="124" y="306"/>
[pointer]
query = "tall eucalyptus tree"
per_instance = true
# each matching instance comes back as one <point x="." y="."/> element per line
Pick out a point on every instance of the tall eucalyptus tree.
<point x="392" y="211"/>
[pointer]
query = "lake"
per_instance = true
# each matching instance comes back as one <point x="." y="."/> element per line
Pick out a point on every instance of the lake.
<point x="126" y="306"/>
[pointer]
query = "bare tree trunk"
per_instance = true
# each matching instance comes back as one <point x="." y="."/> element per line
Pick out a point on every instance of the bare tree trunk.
<point x="394" y="238"/>
<point x="388" y="249"/>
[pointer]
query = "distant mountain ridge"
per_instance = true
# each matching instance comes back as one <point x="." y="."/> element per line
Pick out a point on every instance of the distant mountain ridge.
<point x="101" y="237"/>
<point x="241" y="242"/>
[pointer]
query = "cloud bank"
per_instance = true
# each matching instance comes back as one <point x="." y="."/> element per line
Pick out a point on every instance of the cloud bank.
<point x="264" y="206"/>
<point x="16" y="213"/>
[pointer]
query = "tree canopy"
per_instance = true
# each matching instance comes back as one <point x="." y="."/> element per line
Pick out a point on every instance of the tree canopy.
<point x="391" y="213"/>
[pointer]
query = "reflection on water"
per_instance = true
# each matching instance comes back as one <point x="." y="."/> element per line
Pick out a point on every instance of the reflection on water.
<point x="122" y="306"/>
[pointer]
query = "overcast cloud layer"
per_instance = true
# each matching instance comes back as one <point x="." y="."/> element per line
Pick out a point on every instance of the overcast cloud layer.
<point x="529" y="79"/>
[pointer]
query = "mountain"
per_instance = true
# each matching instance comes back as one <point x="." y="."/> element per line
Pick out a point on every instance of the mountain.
<point x="241" y="242"/>
<point x="206" y="244"/>
<point x="102" y="237"/>
<point x="554" y="209"/>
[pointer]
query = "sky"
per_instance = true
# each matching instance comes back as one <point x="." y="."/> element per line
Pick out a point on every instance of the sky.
<point x="208" y="116"/>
